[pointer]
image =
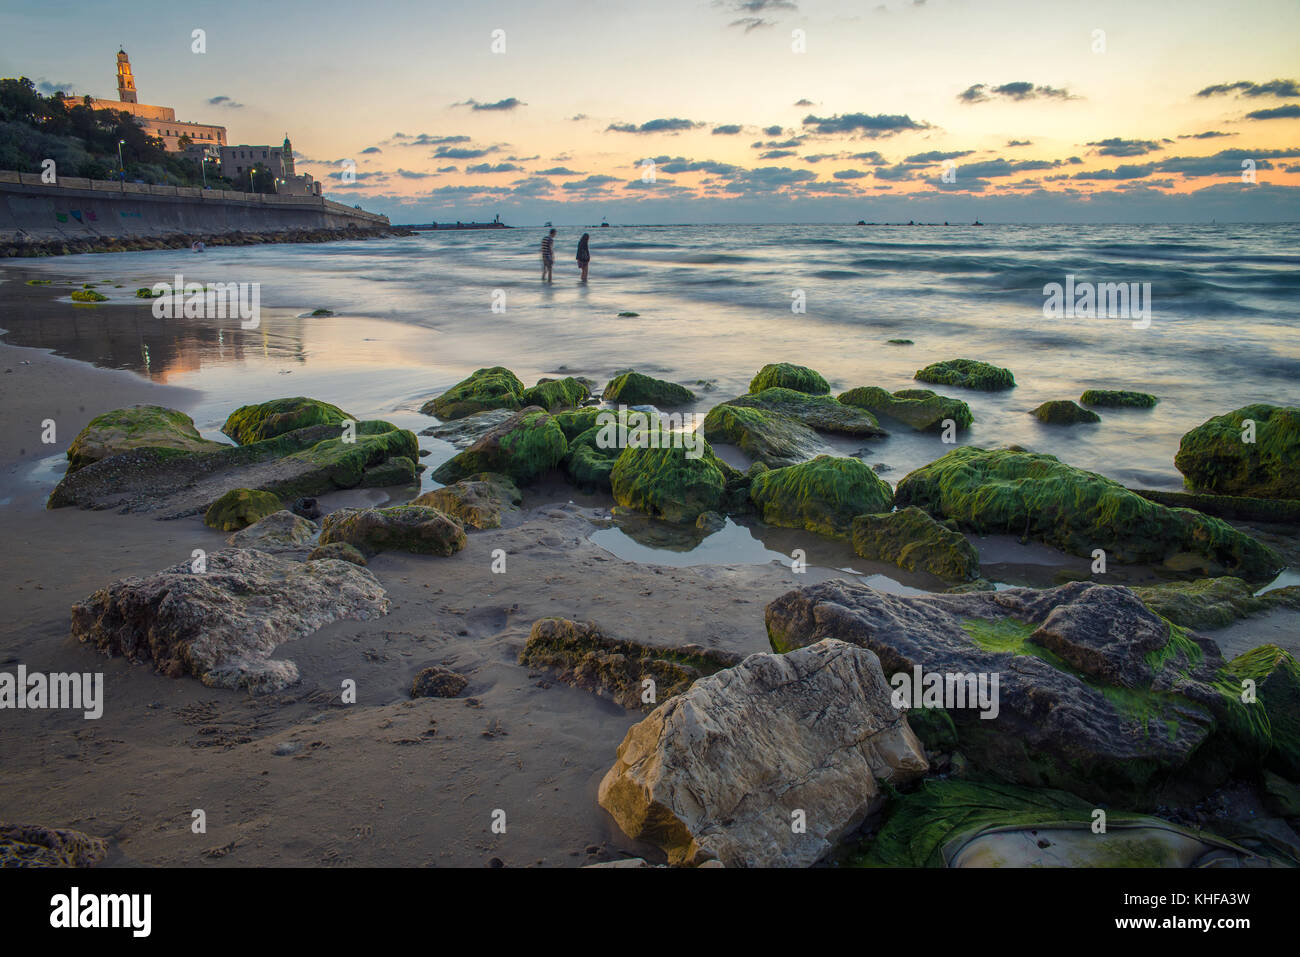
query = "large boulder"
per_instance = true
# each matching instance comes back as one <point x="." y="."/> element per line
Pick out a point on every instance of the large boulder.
<point x="967" y="373"/>
<point x="786" y="375"/>
<point x="465" y="431"/>
<point x="913" y="540"/>
<point x="772" y="438"/>
<point x="32" y="845"/>
<point x="281" y="531"/>
<point x="823" y="495"/>
<point x="493" y="388"/>
<point x="634" y="388"/>
<point x="1205" y="603"/>
<point x="555" y="394"/>
<point x="407" y="528"/>
<point x="239" y="508"/>
<point x="1226" y="456"/>
<point x="821" y="412"/>
<point x="658" y="475"/>
<point x="477" y="501"/>
<point x="304" y="463"/>
<point x="266" y="420"/>
<point x="1038" y="497"/>
<point x="1118" y="399"/>
<point x="1094" y="693"/>
<point x="585" y="657"/>
<point x="522" y="448"/>
<point x="139" y="427"/>
<point x="728" y="768"/>
<point x="922" y="409"/>
<point x="223" y="622"/>
<point x="1064" y="412"/>
<point x="1276" y="677"/>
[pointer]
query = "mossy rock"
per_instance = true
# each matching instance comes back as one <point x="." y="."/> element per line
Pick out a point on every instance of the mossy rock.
<point x="588" y="463"/>
<point x="339" y="551"/>
<point x="334" y="463"/>
<point x="1237" y="508"/>
<point x="1203" y="604"/>
<point x="138" y="427"/>
<point x="911" y="539"/>
<point x="266" y="420"/>
<point x="1064" y="412"/>
<point x="634" y="388"/>
<point x="969" y="374"/>
<point x="438" y="682"/>
<point x="1118" y="399"/>
<point x="658" y="476"/>
<point x="922" y="409"/>
<point x="1003" y="491"/>
<point x="786" y="375"/>
<point x="146" y="292"/>
<point x="522" y="448"/>
<point x="321" y="313"/>
<point x="555" y="394"/>
<point x="1214" y="457"/>
<point x="409" y="528"/>
<point x="39" y="282"/>
<point x="573" y="422"/>
<point x="493" y="388"/>
<point x="399" y="470"/>
<point x="823" y="495"/>
<point x="477" y="501"/>
<point x="1277" y="687"/>
<point x="87" y="295"/>
<point x="768" y="437"/>
<point x="821" y="412"/>
<point x="900" y="342"/>
<point x="240" y="508"/>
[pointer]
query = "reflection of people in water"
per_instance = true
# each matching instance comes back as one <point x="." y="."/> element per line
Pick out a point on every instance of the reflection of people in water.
<point x="584" y="255"/>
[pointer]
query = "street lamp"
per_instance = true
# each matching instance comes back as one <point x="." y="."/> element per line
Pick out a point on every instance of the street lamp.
<point x="121" y="167"/>
<point x="204" y="166"/>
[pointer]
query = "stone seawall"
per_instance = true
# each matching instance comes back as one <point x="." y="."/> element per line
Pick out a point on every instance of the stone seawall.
<point x="81" y="215"/>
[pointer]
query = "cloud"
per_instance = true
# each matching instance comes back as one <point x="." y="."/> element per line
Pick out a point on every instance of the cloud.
<point x="850" y="174"/>
<point x="776" y="154"/>
<point x="729" y="129"/>
<point x="489" y="168"/>
<point x="772" y="130"/>
<point x="1121" y="147"/>
<point x="1289" y="112"/>
<point x="804" y="102"/>
<point x="678" y="164"/>
<point x="410" y="174"/>
<point x="1011" y="143"/>
<point x="424" y="139"/>
<point x="864" y="124"/>
<point x="558" y="171"/>
<point x="448" y="169"/>
<point x="673" y="125"/>
<point x="461" y="153"/>
<point x="509" y="103"/>
<point x="1247" y="88"/>
<point x="371" y="149"/>
<point x="578" y="116"/>
<point x="49" y="89"/>
<point x="751" y="24"/>
<point x="935" y="156"/>
<point x="768" y="178"/>
<point x="999" y="167"/>
<point x="590" y="183"/>
<point x="1207" y="135"/>
<point x="1018" y="90"/>
<point x="225" y="102"/>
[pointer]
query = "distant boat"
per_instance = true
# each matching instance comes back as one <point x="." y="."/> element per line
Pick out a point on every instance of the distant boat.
<point x="862" y="222"/>
<point x="548" y="222"/>
<point x="604" y="223"/>
<point x="977" y="223"/>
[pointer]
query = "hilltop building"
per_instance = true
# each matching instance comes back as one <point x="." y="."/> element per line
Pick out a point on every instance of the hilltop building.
<point x="238" y="162"/>
<point x="159" y="121"/>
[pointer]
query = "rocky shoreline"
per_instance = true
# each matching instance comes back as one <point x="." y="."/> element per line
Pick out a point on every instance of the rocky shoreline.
<point x="115" y="244"/>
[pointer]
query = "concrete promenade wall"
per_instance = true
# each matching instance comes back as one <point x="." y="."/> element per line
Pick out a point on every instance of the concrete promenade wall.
<point x="86" y="209"/>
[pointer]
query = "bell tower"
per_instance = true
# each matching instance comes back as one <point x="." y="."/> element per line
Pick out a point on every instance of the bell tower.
<point x="125" y="81"/>
<point x="288" y="156"/>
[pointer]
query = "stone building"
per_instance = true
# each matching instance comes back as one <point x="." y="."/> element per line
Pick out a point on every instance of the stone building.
<point x="238" y="162"/>
<point x="159" y="121"/>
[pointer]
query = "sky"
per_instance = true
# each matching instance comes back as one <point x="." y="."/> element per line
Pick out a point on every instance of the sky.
<point x="680" y="111"/>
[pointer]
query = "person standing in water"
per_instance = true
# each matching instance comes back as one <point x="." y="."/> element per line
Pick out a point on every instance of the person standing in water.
<point x="584" y="255"/>
<point x="548" y="255"/>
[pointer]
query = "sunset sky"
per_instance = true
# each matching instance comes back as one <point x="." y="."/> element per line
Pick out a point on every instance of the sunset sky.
<point x="1037" y="124"/>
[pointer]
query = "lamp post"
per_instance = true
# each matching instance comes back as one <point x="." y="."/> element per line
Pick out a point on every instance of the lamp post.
<point x="204" y="166"/>
<point x="121" y="167"/>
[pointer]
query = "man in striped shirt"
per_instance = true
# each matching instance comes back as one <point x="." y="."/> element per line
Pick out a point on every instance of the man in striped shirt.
<point x="548" y="255"/>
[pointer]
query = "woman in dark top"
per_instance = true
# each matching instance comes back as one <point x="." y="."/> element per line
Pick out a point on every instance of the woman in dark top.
<point x="584" y="255"/>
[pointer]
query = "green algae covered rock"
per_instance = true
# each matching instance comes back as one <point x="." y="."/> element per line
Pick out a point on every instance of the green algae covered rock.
<point x="768" y="437"/>
<point x="1228" y="455"/>
<point x="588" y="462"/>
<point x="1041" y="498"/>
<point x="1113" y="399"/>
<point x="969" y="374"/>
<point x="335" y="462"/>
<point x="399" y="470"/>
<point x="1063" y="412"/>
<point x="477" y="501"/>
<point x="522" y="448"/>
<point x="139" y="427"/>
<point x="633" y="388"/>
<point x="820" y="412"/>
<point x="656" y="474"/>
<point x="555" y="394"/>
<point x="87" y="295"/>
<point x="784" y="375"/>
<point x="240" y="508"/>
<point x="266" y="420"/>
<point x="338" y="551"/>
<point x="1277" y="686"/>
<point x="913" y="540"/>
<point x="494" y="388"/>
<point x="573" y="422"/>
<point x="922" y="409"/>
<point x="409" y="528"/>
<point x="1204" y="603"/>
<point x="823" y="495"/>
